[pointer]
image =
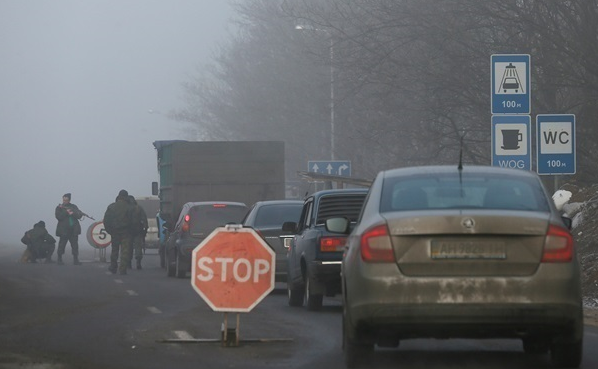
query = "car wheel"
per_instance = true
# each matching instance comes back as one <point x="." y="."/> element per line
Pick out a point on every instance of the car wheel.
<point x="566" y="354"/>
<point x="296" y="294"/>
<point x="162" y="257"/>
<point x="170" y="271"/>
<point x="535" y="346"/>
<point x="356" y="354"/>
<point x="179" y="271"/>
<point x="314" y="301"/>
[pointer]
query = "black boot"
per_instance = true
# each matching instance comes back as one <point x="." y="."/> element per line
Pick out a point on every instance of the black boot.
<point x="138" y="264"/>
<point x="60" y="262"/>
<point x="76" y="260"/>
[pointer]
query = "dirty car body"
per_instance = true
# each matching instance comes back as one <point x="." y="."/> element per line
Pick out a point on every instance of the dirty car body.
<point x="477" y="252"/>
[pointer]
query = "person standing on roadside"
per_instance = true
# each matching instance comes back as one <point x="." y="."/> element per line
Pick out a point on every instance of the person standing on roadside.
<point x="118" y="222"/>
<point x="68" y="228"/>
<point x="139" y="230"/>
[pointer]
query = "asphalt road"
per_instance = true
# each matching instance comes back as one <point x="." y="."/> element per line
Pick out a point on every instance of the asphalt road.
<point x="71" y="317"/>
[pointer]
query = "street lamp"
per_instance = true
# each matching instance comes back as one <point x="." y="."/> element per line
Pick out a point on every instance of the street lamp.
<point x="309" y="28"/>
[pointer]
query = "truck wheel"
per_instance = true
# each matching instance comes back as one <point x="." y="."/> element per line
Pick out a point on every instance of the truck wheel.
<point x="179" y="271"/>
<point x="356" y="354"/>
<point x="296" y="294"/>
<point x="314" y="301"/>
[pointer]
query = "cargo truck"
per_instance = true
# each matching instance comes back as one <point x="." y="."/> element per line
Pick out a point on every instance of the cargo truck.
<point x="234" y="171"/>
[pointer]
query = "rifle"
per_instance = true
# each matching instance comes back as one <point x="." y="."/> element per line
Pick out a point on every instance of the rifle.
<point x="85" y="215"/>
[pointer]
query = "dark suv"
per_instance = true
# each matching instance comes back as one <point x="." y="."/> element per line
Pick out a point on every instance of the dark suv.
<point x="196" y="221"/>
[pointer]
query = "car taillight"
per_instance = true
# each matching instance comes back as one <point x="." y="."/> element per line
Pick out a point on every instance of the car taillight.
<point x="185" y="226"/>
<point x="558" y="246"/>
<point x="332" y="244"/>
<point x="376" y="246"/>
<point x="219" y="205"/>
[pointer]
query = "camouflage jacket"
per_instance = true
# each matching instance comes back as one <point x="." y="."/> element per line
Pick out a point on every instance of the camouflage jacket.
<point x="38" y="235"/>
<point x="118" y="218"/>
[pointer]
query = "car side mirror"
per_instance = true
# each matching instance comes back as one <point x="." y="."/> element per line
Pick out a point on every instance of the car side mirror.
<point x="338" y="225"/>
<point x="290" y="227"/>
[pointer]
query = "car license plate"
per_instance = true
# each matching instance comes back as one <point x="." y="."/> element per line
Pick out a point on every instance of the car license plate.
<point x="467" y="250"/>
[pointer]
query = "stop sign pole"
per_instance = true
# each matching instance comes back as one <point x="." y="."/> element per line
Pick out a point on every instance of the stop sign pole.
<point x="233" y="270"/>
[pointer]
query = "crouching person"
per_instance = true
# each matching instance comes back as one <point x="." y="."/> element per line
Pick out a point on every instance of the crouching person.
<point x="40" y="244"/>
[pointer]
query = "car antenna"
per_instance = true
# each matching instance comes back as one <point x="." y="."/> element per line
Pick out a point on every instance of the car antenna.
<point x="460" y="167"/>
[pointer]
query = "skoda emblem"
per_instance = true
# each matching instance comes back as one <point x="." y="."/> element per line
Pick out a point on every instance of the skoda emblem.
<point x="468" y="223"/>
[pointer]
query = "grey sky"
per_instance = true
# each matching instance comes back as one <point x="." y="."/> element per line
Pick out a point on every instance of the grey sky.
<point x="77" y="79"/>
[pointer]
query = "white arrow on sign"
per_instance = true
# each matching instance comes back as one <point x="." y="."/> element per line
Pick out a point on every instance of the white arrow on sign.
<point x="315" y="167"/>
<point x="341" y="168"/>
<point x="329" y="168"/>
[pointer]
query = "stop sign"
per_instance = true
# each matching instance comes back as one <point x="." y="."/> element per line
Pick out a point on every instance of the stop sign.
<point x="233" y="269"/>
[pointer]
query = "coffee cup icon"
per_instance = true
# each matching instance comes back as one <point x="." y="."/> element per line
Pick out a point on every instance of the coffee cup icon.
<point x="511" y="139"/>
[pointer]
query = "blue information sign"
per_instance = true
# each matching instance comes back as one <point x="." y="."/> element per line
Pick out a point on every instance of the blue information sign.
<point x="511" y="141"/>
<point x="556" y="143"/>
<point x="510" y="83"/>
<point x="330" y="167"/>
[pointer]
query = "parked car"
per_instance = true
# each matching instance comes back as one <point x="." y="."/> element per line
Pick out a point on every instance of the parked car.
<point x="477" y="252"/>
<point x="315" y="255"/>
<point x="267" y="217"/>
<point x="196" y="221"/>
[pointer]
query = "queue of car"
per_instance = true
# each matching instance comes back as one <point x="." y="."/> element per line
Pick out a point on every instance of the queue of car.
<point x="431" y="252"/>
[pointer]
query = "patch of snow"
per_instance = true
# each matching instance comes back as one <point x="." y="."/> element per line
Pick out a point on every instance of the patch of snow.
<point x="560" y="198"/>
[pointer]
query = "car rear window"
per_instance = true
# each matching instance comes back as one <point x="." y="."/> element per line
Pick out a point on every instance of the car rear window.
<point x="203" y="219"/>
<point x="344" y="205"/>
<point x="467" y="192"/>
<point x="271" y="216"/>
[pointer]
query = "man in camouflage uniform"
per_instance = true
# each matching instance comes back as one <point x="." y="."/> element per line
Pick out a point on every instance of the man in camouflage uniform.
<point x="40" y="243"/>
<point x="118" y="222"/>
<point x="139" y="229"/>
<point x="68" y="228"/>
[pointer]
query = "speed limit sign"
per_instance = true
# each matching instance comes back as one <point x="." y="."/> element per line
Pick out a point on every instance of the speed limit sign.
<point x="97" y="236"/>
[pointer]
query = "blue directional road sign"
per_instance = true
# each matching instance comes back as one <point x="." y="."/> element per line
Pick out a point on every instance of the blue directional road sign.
<point x="510" y="84"/>
<point x="556" y="143"/>
<point x="330" y="167"/>
<point x="511" y="141"/>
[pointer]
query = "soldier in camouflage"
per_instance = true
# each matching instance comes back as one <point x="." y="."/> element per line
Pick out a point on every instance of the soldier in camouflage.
<point x="40" y="243"/>
<point x="139" y="229"/>
<point x="68" y="228"/>
<point x="118" y="222"/>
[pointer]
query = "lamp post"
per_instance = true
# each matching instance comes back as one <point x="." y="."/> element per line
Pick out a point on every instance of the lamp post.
<point x="308" y="28"/>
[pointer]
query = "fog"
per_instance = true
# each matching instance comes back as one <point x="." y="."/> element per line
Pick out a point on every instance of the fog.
<point x="83" y="89"/>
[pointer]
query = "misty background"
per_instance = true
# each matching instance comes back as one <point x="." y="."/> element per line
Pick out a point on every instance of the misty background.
<point x="84" y="91"/>
<point x="86" y="87"/>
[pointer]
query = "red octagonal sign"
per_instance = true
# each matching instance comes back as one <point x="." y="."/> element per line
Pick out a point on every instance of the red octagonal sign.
<point x="233" y="269"/>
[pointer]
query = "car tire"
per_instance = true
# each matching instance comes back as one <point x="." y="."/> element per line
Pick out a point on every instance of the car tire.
<point x="356" y="354"/>
<point x="170" y="271"/>
<point x="535" y="346"/>
<point x="179" y="271"/>
<point x="162" y="257"/>
<point x="296" y="294"/>
<point x="313" y="301"/>
<point x="566" y="354"/>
